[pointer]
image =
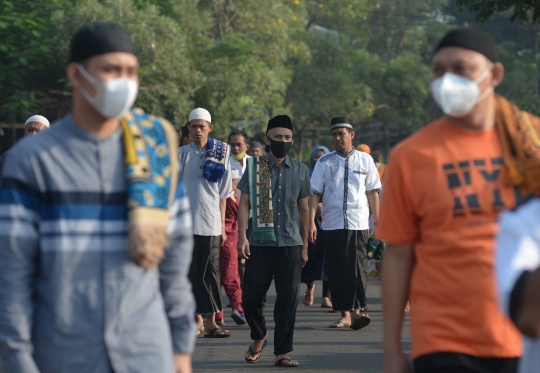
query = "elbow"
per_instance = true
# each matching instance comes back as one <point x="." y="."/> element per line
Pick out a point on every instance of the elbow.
<point x="529" y="325"/>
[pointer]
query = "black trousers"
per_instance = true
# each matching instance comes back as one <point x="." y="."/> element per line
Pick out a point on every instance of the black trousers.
<point x="346" y="267"/>
<point x="451" y="362"/>
<point x="284" y="265"/>
<point x="204" y="275"/>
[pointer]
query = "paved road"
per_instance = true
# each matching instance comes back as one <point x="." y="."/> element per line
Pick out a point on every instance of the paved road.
<point x="317" y="347"/>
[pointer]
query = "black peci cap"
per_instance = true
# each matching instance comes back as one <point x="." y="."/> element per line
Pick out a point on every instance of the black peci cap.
<point x="98" y="38"/>
<point x="472" y="39"/>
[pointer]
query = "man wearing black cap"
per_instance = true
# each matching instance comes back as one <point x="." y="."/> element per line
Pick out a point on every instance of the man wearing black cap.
<point x="89" y="210"/>
<point x="276" y="188"/>
<point x="445" y="188"/>
<point x="347" y="183"/>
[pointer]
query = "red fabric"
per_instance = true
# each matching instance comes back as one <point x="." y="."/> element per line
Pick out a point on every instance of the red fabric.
<point x="228" y="257"/>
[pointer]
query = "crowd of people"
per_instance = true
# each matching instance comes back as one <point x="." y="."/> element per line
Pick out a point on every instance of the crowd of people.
<point x="117" y="235"/>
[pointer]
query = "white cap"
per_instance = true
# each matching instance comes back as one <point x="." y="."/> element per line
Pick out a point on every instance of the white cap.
<point x="235" y="174"/>
<point x="39" y="119"/>
<point x="200" y="113"/>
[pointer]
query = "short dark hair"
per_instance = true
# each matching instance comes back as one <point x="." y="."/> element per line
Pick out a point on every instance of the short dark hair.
<point x="184" y="132"/>
<point x="377" y="155"/>
<point x="238" y="132"/>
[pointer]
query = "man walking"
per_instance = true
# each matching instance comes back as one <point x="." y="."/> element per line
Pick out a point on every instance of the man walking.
<point x="84" y="228"/>
<point x="204" y="168"/>
<point x="444" y="190"/>
<point x="276" y="188"/>
<point x="347" y="183"/>
<point x="228" y="258"/>
<point x="239" y="147"/>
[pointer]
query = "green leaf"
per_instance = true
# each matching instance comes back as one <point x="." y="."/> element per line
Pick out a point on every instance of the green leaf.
<point x="36" y="33"/>
<point x="23" y="60"/>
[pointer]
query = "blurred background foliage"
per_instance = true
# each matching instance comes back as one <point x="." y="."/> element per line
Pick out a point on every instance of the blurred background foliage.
<point x="248" y="60"/>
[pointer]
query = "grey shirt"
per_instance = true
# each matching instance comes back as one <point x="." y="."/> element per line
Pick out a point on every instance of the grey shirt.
<point x="70" y="298"/>
<point x="204" y="195"/>
<point x="290" y="183"/>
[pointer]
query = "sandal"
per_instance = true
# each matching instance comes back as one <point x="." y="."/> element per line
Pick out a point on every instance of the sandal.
<point x="238" y="318"/>
<point x="279" y="363"/>
<point x="326" y="303"/>
<point x="360" y="322"/>
<point x="217" y="333"/>
<point x="252" y="353"/>
<point x="339" y="325"/>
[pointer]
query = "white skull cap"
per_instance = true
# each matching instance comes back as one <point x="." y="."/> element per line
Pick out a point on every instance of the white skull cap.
<point x="200" y="113"/>
<point x="39" y="119"/>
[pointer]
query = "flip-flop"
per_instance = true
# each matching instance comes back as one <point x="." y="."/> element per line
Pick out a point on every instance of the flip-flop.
<point x="360" y="322"/>
<point x="339" y="325"/>
<point x="238" y="319"/>
<point x="255" y="353"/>
<point x="327" y="305"/>
<point x="279" y="363"/>
<point x="213" y="334"/>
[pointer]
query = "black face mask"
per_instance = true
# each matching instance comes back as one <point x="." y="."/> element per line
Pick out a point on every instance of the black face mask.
<point x="280" y="149"/>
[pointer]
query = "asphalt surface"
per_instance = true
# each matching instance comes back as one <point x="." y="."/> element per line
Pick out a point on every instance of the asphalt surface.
<point x="316" y="347"/>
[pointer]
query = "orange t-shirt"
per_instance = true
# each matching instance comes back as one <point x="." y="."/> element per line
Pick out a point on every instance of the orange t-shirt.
<point x="444" y="191"/>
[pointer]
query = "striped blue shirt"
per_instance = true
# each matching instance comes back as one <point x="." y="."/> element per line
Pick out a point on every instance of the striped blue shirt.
<point x="70" y="298"/>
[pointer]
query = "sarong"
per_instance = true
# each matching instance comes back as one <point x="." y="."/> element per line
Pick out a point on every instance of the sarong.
<point x="314" y="268"/>
<point x="346" y="267"/>
<point x="204" y="275"/>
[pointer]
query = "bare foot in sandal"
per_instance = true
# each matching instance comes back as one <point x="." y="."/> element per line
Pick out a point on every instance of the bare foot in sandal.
<point x="309" y="297"/>
<point x="285" y="362"/>
<point x="253" y="354"/>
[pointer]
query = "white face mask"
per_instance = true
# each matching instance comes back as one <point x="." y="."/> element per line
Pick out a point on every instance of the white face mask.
<point x="377" y="164"/>
<point x="113" y="97"/>
<point x="456" y="95"/>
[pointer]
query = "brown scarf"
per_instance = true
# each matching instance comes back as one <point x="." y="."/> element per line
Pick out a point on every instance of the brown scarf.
<point x="519" y="134"/>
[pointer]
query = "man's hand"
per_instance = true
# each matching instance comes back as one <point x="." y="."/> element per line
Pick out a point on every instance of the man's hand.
<point x="395" y="362"/>
<point x="243" y="248"/>
<point x="304" y="255"/>
<point x="319" y="210"/>
<point x="182" y="363"/>
<point x="223" y="236"/>
<point x="312" y="233"/>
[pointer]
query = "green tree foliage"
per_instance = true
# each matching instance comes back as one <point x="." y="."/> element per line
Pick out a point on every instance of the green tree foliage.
<point x="28" y="55"/>
<point x="522" y="10"/>
<point x="248" y="60"/>
<point x="168" y="79"/>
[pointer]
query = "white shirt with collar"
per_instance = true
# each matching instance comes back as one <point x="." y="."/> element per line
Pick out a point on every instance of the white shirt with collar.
<point x="235" y="165"/>
<point x="343" y="182"/>
<point x="518" y="250"/>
